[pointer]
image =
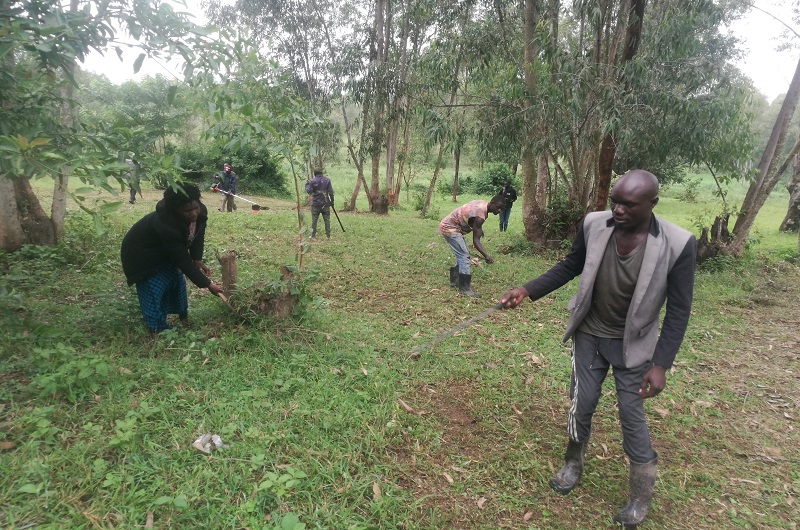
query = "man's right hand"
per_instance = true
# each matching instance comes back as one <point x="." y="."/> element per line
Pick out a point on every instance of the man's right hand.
<point x="514" y="297"/>
<point x="215" y="289"/>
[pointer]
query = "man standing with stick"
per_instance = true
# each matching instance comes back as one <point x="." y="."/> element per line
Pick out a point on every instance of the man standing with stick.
<point x="321" y="192"/>
<point x="630" y="263"/>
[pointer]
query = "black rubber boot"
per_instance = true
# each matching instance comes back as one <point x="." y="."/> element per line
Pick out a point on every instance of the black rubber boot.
<point x="641" y="481"/>
<point x="567" y="477"/>
<point x="464" y="288"/>
<point x="453" y="276"/>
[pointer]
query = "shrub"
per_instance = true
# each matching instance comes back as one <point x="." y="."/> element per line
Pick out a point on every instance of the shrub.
<point x="490" y="180"/>
<point x="561" y="218"/>
<point x="258" y="171"/>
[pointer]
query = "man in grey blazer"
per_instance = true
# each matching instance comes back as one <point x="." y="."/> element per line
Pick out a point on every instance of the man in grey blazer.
<point x="630" y="263"/>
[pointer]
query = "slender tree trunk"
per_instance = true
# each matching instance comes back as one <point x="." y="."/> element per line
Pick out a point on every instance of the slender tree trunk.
<point x="404" y="152"/>
<point x="791" y="223"/>
<point x="432" y="185"/>
<point x="457" y="159"/>
<point x="58" y="208"/>
<point x="633" y="36"/>
<point x="767" y="176"/>
<point x="377" y="68"/>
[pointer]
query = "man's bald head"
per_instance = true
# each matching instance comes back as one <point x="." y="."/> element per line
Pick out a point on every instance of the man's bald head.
<point x="640" y="183"/>
<point x="633" y="198"/>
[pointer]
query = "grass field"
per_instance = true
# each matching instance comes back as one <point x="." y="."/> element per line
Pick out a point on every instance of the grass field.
<point x="329" y="422"/>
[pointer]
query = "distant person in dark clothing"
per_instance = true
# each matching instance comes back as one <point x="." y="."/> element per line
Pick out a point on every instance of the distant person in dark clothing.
<point x="321" y="192"/>
<point x="160" y="249"/>
<point x="132" y="176"/>
<point x="227" y="186"/>
<point x="510" y="195"/>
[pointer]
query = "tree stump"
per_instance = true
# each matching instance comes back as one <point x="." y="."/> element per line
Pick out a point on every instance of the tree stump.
<point x="380" y="204"/>
<point x="279" y="305"/>
<point x="227" y="263"/>
<point x="712" y="243"/>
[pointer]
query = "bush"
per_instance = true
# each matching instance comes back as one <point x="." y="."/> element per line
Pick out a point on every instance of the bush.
<point x="258" y="170"/>
<point x="561" y="219"/>
<point x="490" y="180"/>
<point x="690" y="190"/>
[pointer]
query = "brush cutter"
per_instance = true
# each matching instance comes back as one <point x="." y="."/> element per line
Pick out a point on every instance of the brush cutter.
<point x="255" y="207"/>
<point x="417" y="350"/>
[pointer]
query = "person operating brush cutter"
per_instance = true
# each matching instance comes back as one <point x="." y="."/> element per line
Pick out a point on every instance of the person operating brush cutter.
<point x="160" y="249"/>
<point x="630" y="264"/>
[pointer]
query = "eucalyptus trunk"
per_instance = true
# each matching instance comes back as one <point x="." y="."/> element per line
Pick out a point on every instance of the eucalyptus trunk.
<point x="58" y="208"/>
<point x="791" y="223"/>
<point x="532" y="201"/>
<point x="608" y="148"/>
<point x="768" y="175"/>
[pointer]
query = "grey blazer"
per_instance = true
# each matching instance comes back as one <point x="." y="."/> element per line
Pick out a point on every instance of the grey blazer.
<point x="666" y="275"/>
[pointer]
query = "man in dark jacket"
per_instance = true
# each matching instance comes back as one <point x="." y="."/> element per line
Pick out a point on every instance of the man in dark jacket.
<point x="160" y="249"/>
<point x="510" y="195"/>
<point x="321" y="192"/>
<point x="630" y="263"/>
<point x="227" y="187"/>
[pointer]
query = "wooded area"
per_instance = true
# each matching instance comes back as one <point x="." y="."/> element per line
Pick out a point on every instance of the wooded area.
<point x="570" y="93"/>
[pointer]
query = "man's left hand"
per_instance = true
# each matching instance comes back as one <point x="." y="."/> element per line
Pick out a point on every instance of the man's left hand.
<point x="653" y="382"/>
<point x="489" y="259"/>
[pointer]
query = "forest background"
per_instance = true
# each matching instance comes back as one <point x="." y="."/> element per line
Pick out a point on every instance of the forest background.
<point x="410" y="107"/>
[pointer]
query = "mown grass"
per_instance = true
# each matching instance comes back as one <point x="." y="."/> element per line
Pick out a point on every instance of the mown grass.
<point x="330" y="424"/>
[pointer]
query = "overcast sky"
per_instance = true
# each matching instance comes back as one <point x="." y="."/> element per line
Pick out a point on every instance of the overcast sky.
<point x="770" y="70"/>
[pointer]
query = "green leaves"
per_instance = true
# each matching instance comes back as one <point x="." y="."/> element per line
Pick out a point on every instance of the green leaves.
<point x="178" y="501"/>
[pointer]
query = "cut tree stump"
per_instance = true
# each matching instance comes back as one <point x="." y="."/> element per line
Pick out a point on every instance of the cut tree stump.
<point x="227" y="263"/>
<point x="256" y="299"/>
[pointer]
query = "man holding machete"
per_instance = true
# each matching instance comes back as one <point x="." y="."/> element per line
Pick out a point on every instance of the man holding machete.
<point x="321" y="192"/>
<point x="630" y="263"/>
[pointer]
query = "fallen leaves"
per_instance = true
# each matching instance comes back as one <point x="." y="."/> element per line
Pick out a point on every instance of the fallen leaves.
<point x="405" y="406"/>
<point x="376" y="492"/>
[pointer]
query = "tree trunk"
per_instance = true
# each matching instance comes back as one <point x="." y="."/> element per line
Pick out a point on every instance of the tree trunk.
<point x="432" y="185"/>
<point x="791" y="223"/>
<point x="379" y="77"/>
<point x="767" y="174"/>
<point x="11" y="234"/>
<point x="633" y="36"/>
<point x="230" y="271"/>
<point x="457" y="158"/>
<point x="58" y="208"/>
<point x="532" y="210"/>
<point x="22" y="219"/>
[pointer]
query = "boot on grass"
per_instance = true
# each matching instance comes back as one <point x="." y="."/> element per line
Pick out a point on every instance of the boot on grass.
<point x="641" y="481"/>
<point x="464" y="281"/>
<point x="453" y="276"/>
<point x="567" y="477"/>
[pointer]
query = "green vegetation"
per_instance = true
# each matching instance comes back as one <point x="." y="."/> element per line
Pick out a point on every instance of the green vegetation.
<point x="330" y="424"/>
